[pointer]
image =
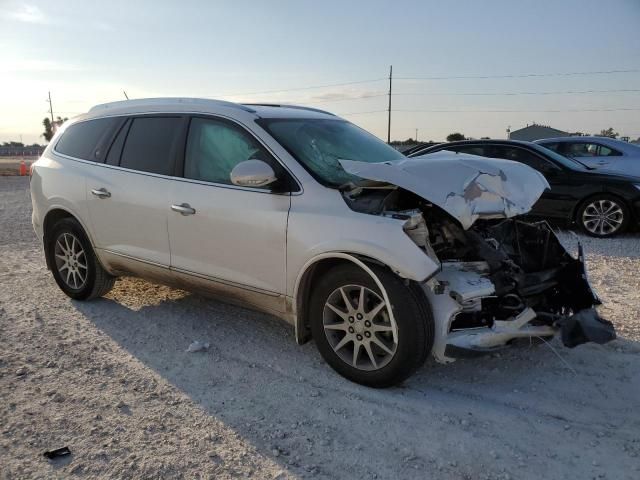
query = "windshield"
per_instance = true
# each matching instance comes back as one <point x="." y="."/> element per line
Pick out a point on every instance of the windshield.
<point x="568" y="162"/>
<point x="318" y="144"/>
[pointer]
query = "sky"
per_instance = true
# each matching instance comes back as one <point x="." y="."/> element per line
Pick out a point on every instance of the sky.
<point x="280" y="51"/>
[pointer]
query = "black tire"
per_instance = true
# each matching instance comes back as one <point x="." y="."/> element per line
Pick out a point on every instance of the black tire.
<point x="97" y="282"/>
<point x="415" y="325"/>
<point x="590" y="225"/>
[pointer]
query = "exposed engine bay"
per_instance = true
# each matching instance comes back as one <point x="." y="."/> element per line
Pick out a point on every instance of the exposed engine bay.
<point x="500" y="278"/>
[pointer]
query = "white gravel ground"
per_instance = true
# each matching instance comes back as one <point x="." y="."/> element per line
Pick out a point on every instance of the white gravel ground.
<point x="111" y="380"/>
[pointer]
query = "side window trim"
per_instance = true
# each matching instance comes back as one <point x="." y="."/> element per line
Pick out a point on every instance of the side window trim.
<point x="294" y="184"/>
<point x="104" y="142"/>
<point x="124" y="126"/>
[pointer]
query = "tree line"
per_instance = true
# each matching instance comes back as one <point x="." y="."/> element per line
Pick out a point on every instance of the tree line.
<point x="457" y="136"/>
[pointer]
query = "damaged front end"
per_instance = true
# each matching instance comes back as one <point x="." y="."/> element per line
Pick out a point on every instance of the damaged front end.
<point x="501" y="278"/>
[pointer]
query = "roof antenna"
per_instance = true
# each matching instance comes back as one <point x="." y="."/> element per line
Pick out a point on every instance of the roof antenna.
<point x="125" y="95"/>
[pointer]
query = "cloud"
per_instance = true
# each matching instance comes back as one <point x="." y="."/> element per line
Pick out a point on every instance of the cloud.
<point x="103" y="27"/>
<point x="25" y="65"/>
<point x="338" y="96"/>
<point x="28" y="14"/>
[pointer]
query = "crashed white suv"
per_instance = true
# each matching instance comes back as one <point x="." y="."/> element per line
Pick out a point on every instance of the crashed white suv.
<point x="380" y="259"/>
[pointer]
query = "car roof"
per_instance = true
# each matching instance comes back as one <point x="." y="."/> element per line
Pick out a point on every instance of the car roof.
<point x="203" y="105"/>
<point x="443" y="146"/>
<point x="580" y="138"/>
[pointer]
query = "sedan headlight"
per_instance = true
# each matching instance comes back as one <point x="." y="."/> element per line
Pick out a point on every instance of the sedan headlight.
<point x="637" y="185"/>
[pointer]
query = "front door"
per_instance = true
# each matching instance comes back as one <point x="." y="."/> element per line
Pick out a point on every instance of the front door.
<point x="220" y="232"/>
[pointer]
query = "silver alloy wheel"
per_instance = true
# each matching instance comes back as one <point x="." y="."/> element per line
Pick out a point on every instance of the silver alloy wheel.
<point x="356" y="319"/>
<point x="603" y="217"/>
<point x="71" y="261"/>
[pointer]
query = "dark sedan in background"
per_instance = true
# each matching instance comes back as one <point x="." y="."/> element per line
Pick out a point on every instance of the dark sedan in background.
<point x="603" y="204"/>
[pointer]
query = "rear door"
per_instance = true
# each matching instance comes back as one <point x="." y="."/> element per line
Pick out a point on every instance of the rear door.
<point x="232" y="235"/>
<point x="128" y="195"/>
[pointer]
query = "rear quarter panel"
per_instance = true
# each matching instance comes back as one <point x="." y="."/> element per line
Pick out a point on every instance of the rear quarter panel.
<point x="59" y="183"/>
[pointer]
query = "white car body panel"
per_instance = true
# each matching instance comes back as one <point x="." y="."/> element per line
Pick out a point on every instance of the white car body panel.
<point x="63" y="189"/>
<point x="236" y="235"/>
<point x="133" y="220"/>
<point x="320" y="224"/>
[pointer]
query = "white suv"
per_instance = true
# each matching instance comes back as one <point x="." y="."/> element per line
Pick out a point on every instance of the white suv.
<point x="293" y="211"/>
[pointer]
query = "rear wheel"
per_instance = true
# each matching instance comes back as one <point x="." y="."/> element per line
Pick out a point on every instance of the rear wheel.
<point x="74" y="264"/>
<point x="355" y="332"/>
<point x="603" y="216"/>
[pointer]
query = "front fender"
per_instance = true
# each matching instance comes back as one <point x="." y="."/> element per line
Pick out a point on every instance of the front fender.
<point x="383" y="240"/>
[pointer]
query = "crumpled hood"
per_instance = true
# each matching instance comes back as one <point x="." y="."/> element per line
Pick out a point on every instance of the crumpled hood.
<point x="468" y="187"/>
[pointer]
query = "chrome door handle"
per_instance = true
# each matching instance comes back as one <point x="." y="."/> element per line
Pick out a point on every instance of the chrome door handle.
<point x="183" y="209"/>
<point x="101" y="193"/>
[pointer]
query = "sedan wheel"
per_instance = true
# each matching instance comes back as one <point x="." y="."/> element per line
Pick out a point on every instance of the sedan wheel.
<point x="358" y="327"/>
<point x="603" y="217"/>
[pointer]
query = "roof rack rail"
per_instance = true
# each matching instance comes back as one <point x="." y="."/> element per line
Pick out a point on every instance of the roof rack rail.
<point x="284" y="105"/>
<point x="147" y="102"/>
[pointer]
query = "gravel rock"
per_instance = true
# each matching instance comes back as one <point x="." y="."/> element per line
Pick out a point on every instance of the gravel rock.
<point x="127" y="351"/>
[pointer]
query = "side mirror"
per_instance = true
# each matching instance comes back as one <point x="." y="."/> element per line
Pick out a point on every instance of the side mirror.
<point x="253" y="173"/>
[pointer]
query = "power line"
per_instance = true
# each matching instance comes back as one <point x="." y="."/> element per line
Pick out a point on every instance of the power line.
<point x="408" y="94"/>
<point x="494" y="111"/>
<point x="525" y="111"/>
<point x="335" y="100"/>
<point x="565" y="92"/>
<point x="453" y="77"/>
<point x="524" y="75"/>
<point x="303" y="88"/>
<point x="363" y="113"/>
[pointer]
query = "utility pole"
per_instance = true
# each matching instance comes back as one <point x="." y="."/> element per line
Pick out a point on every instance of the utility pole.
<point x="50" y="108"/>
<point x="416" y="135"/>
<point x="125" y="95"/>
<point x="389" y="120"/>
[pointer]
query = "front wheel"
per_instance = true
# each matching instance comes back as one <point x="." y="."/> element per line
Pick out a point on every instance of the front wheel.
<point x="355" y="332"/>
<point x="603" y="216"/>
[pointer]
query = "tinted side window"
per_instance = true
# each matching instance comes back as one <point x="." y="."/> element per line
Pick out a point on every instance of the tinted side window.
<point x="523" y="156"/>
<point x="82" y="140"/>
<point x="149" y="146"/>
<point x="552" y="146"/>
<point x="582" y="149"/>
<point x="471" y="150"/>
<point x="604" y="151"/>
<point x="214" y="147"/>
